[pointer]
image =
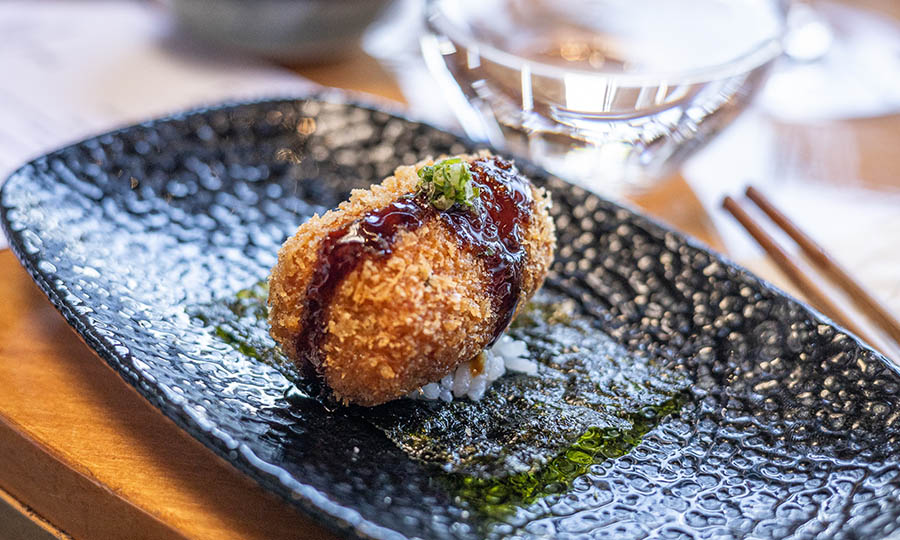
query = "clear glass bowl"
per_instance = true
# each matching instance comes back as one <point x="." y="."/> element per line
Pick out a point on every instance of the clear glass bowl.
<point x="612" y="94"/>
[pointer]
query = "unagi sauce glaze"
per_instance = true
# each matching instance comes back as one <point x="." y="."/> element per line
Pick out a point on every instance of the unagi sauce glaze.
<point x="493" y="230"/>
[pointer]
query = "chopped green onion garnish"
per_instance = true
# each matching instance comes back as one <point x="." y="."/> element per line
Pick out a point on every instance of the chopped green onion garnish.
<point x="448" y="182"/>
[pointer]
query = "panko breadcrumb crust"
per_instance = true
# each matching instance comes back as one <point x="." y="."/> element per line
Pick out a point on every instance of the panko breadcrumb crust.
<point x="400" y="322"/>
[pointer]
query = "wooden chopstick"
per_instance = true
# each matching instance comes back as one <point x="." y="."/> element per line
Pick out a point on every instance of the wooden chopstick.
<point x="867" y="303"/>
<point x="792" y="269"/>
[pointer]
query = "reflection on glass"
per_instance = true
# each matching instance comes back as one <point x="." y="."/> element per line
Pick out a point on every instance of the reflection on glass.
<point x="610" y="93"/>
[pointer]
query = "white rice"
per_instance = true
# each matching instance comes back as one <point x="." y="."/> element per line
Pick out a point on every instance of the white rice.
<point x="507" y="354"/>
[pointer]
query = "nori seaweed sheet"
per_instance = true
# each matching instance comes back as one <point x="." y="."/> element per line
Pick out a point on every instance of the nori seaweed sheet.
<point x="591" y="399"/>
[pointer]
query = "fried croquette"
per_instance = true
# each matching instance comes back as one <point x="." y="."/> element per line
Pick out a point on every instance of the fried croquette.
<point x="404" y="281"/>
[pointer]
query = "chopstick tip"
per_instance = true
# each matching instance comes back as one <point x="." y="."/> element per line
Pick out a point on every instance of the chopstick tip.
<point x="728" y="203"/>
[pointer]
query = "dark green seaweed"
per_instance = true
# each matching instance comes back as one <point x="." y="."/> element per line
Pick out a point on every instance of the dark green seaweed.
<point x="241" y="322"/>
<point x="585" y="380"/>
<point x="529" y="436"/>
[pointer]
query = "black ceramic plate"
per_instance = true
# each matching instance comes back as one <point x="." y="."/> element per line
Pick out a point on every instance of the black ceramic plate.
<point x="789" y="428"/>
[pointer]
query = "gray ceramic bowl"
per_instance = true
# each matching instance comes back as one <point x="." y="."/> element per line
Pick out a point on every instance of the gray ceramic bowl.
<point x="287" y="30"/>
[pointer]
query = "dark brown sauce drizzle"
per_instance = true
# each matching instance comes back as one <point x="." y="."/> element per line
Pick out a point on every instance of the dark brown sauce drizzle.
<point x="494" y="232"/>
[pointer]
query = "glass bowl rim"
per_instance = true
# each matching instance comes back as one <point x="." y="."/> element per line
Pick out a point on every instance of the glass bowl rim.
<point x="439" y="23"/>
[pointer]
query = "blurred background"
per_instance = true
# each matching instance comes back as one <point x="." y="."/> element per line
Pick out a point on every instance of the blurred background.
<point x="668" y="106"/>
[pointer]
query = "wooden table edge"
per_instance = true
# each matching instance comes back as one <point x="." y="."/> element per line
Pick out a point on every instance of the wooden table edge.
<point x="19" y="521"/>
<point x="38" y="478"/>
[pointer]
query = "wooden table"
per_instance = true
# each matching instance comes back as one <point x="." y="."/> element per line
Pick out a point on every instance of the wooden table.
<point x="83" y="454"/>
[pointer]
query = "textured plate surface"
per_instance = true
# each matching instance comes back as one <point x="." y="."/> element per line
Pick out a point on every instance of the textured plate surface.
<point x="790" y="429"/>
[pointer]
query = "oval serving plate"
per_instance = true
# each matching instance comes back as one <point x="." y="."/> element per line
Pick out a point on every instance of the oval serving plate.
<point x="787" y="429"/>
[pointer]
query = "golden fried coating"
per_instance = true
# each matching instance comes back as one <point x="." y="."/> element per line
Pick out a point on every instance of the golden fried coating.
<point x="399" y="322"/>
